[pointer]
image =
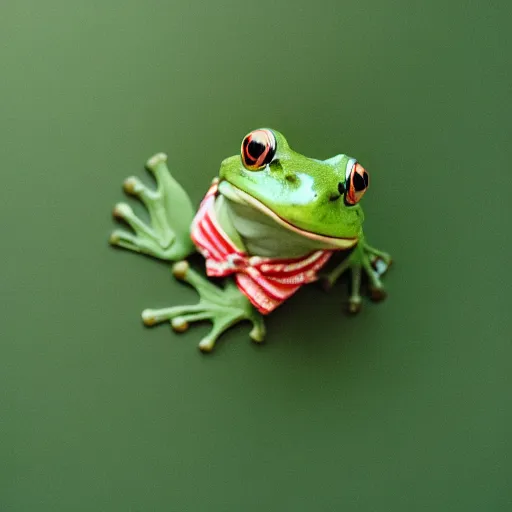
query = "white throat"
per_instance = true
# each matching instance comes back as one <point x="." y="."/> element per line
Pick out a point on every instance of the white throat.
<point x="260" y="234"/>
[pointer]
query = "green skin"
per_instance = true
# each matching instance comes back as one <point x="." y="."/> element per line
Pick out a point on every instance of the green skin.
<point x="274" y="212"/>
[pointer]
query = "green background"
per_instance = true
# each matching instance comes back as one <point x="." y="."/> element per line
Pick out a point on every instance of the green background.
<point x="405" y="407"/>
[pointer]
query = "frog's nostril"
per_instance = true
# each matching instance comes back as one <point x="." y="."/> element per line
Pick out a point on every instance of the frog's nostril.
<point x="336" y="195"/>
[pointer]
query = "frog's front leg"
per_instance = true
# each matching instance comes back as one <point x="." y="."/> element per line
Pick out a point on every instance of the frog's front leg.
<point x="373" y="262"/>
<point x="170" y="211"/>
<point x="223" y="307"/>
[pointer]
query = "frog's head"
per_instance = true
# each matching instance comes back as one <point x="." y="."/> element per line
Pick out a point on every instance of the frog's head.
<point x="313" y="197"/>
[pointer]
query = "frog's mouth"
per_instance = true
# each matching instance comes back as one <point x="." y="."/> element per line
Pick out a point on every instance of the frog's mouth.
<point x="235" y="194"/>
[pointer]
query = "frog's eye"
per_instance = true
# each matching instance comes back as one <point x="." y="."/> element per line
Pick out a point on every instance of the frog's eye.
<point x="258" y="149"/>
<point x="356" y="184"/>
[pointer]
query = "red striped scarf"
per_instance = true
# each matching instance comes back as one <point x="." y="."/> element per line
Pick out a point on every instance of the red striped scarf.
<point x="266" y="282"/>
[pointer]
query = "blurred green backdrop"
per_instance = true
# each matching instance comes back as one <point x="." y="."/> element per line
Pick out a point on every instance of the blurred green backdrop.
<point x="406" y="407"/>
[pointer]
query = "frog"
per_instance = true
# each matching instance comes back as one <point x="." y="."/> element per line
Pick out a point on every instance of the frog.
<point x="271" y="222"/>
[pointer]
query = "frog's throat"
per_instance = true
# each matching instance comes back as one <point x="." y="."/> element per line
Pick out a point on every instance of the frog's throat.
<point x="235" y="194"/>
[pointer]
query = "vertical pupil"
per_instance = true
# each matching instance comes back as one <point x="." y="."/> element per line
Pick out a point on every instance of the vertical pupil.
<point x="255" y="148"/>
<point x="359" y="182"/>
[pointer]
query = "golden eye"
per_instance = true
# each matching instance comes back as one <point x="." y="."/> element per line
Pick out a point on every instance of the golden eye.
<point x="356" y="185"/>
<point x="258" y="149"/>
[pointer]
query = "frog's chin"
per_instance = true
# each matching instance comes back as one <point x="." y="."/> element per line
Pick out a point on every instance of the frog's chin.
<point x="239" y="196"/>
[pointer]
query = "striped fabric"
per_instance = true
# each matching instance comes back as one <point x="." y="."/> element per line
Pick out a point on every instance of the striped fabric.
<point x="266" y="282"/>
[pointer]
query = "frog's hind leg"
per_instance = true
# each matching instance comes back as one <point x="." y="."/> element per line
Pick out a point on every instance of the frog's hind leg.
<point x="170" y="211"/>
<point x="223" y="307"/>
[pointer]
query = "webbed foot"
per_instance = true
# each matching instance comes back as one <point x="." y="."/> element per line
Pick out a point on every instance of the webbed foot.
<point x="223" y="307"/>
<point x="167" y="236"/>
<point x="373" y="262"/>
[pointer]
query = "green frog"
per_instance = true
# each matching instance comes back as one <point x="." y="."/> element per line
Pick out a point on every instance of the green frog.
<point x="270" y="223"/>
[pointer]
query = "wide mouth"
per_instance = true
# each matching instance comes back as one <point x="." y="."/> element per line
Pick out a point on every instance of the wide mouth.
<point x="235" y="194"/>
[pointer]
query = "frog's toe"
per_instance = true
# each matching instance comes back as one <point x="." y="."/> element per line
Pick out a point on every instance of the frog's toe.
<point x="180" y="269"/>
<point x="377" y="294"/>
<point x="381" y="265"/>
<point x="155" y="161"/>
<point x="179" y="324"/>
<point x="125" y="240"/>
<point x="354" y="305"/>
<point x="207" y="344"/>
<point x="132" y="185"/>
<point x="148" y="317"/>
<point x="122" y="211"/>
<point x="257" y="333"/>
<point x="114" y="238"/>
